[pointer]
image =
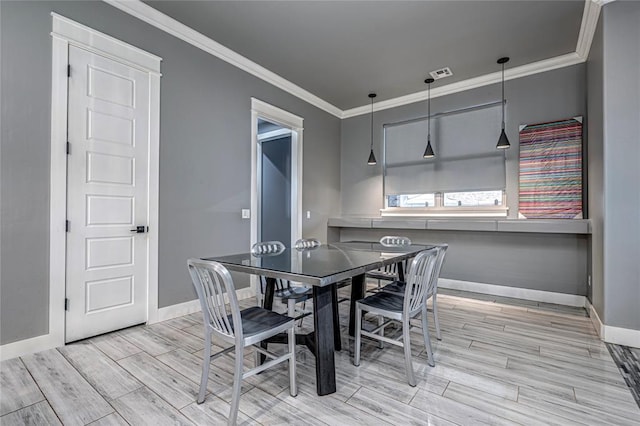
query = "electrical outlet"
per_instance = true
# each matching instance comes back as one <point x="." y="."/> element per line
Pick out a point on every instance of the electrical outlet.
<point x="308" y="214"/>
<point x="246" y="213"/>
<point x="589" y="281"/>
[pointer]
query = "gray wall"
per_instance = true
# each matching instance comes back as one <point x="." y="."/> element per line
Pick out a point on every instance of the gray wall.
<point x="595" y="168"/>
<point x="621" y="109"/>
<point x="276" y="190"/>
<point x="205" y="156"/>
<point x="538" y="98"/>
<point x="548" y="262"/>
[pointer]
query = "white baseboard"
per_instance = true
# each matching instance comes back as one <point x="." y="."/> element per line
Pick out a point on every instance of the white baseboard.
<point x="28" y="346"/>
<point x="515" y="292"/>
<point x="595" y="318"/>
<point x="49" y="341"/>
<point x="611" y="334"/>
<point x="185" y="308"/>
<point x="622" y="336"/>
<point x="178" y="310"/>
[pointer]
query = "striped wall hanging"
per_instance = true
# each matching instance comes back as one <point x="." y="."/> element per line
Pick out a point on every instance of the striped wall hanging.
<point x="551" y="170"/>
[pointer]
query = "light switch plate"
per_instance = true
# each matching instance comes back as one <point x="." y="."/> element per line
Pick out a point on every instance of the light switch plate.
<point x="246" y="213"/>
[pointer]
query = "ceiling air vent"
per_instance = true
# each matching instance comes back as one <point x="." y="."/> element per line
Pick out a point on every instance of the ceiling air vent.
<point x="441" y="73"/>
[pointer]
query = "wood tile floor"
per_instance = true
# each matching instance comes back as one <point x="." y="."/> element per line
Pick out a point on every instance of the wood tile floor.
<point x="500" y="361"/>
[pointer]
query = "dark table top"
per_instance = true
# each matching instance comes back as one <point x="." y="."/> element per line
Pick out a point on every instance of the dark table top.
<point x="323" y="265"/>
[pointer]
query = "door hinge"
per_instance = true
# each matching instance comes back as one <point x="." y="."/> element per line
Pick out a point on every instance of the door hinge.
<point x="67" y="226"/>
<point x="68" y="70"/>
<point x="68" y="147"/>
<point x="66" y="304"/>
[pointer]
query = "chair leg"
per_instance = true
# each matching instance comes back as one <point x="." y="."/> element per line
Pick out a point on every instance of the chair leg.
<point x="406" y="343"/>
<point x="381" y="332"/>
<point x="291" y="308"/>
<point x="435" y="317"/>
<point x="356" y="349"/>
<point x="304" y="309"/>
<point x="291" y="340"/>
<point x="206" y="363"/>
<point x="237" y="384"/>
<point x="427" y="338"/>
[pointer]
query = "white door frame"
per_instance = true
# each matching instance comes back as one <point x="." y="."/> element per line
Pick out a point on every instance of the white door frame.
<point x="260" y="109"/>
<point x="65" y="33"/>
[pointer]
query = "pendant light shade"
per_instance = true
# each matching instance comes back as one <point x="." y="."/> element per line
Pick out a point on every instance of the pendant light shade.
<point x="428" y="152"/>
<point x="372" y="158"/>
<point x="503" y="140"/>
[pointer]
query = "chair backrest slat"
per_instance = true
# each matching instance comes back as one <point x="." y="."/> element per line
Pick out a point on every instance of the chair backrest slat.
<point x="395" y="241"/>
<point x="212" y="281"/>
<point x="265" y="248"/>
<point x="418" y="279"/>
<point x="433" y="284"/>
<point x="269" y="248"/>
<point x="307" y="243"/>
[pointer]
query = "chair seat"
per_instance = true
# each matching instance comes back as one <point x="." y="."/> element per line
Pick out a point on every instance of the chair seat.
<point x="396" y="287"/>
<point x="385" y="301"/>
<point x="255" y="320"/>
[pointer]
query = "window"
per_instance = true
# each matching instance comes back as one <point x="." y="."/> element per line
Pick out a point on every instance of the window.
<point x="467" y="177"/>
<point x="472" y="199"/>
<point x="462" y="203"/>
<point x="412" y="200"/>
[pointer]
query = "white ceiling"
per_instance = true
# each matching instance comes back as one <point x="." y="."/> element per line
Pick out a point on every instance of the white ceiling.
<point x="334" y="53"/>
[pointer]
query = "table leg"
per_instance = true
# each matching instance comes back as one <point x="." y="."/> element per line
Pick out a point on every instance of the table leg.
<point x="337" y="340"/>
<point x="400" y="271"/>
<point x="324" y="340"/>
<point x="269" y="291"/>
<point x="357" y="293"/>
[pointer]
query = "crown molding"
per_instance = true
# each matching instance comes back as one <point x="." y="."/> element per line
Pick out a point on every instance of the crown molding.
<point x="171" y="26"/>
<point x="151" y="16"/>
<point x="588" y="26"/>
<point x="472" y="83"/>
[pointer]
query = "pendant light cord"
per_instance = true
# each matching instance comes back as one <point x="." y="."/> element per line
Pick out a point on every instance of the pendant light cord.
<point x="429" y="114"/>
<point x="503" y="96"/>
<point x="371" y="121"/>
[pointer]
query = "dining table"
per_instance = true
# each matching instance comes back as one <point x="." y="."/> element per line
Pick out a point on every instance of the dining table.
<point x="322" y="268"/>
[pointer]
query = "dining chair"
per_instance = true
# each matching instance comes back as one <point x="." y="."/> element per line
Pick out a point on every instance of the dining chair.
<point x="284" y="291"/>
<point x="398" y="287"/>
<point x="267" y="248"/>
<point x="395" y="241"/>
<point x="230" y="325"/>
<point x="307" y="244"/>
<point x="389" y="272"/>
<point x="400" y="308"/>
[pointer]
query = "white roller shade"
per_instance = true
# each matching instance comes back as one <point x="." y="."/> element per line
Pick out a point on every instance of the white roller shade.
<point x="466" y="155"/>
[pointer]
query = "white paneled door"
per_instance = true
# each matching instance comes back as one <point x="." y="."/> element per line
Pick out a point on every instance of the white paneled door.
<point x="107" y="195"/>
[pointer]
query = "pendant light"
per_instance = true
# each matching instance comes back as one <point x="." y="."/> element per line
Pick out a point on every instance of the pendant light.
<point x="428" y="152"/>
<point x="372" y="158"/>
<point x="503" y="141"/>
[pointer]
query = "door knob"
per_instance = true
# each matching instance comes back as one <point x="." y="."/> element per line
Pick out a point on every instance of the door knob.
<point x="141" y="229"/>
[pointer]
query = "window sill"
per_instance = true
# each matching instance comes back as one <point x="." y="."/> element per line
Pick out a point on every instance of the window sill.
<point x="456" y="212"/>
<point x="538" y="226"/>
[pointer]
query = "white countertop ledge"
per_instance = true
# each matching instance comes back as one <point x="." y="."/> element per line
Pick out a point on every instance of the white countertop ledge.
<point x="541" y="226"/>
